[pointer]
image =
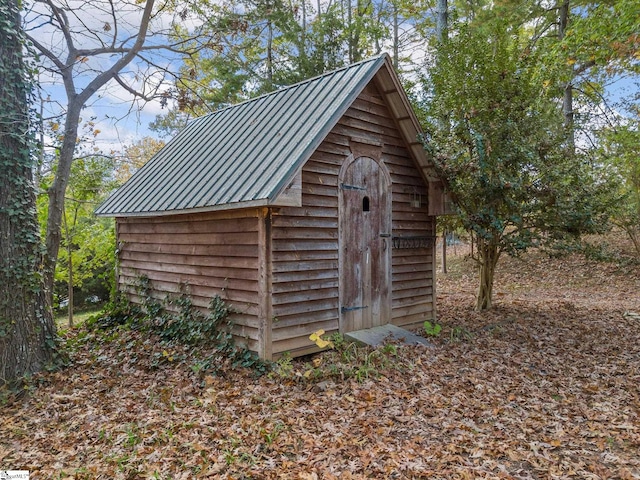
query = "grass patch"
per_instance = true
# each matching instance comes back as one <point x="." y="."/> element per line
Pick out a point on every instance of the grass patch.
<point x="62" y="319"/>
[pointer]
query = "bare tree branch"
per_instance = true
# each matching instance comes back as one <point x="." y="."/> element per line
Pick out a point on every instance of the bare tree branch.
<point x="47" y="53"/>
<point x="133" y="91"/>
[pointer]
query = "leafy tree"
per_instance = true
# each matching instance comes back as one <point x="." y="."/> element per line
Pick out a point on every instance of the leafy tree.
<point x="87" y="257"/>
<point x="619" y="149"/>
<point x="86" y="251"/>
<point x="497" y="148"/>
<point x="170" y="124"/>
<point x="27" y="331"/>
<point x="586" y="45"/>
<point x="597" y="45"/>
<point x="256" y="46"/>
<point x="136" y="155"/>
<point x="86" y="260"/>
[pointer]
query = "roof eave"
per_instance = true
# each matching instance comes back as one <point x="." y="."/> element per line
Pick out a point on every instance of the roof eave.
<point x="213" y="208"/>
<point x="405" y="118"/>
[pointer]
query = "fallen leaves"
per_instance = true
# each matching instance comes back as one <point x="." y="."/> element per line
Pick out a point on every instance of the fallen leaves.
<point x="547" y="386"/>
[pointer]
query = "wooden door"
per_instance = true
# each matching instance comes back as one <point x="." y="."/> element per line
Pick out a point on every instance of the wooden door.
<point x="365" y="245"/>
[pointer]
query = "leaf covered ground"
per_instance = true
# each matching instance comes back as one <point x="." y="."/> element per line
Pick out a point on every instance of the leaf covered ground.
<point x="545" y="386"/>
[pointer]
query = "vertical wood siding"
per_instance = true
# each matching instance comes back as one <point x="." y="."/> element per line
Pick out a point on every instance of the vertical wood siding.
<point x="211" y="253"/>
<point x="305" y="239"/>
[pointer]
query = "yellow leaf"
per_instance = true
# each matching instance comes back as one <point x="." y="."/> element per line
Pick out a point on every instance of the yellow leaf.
<point x="315" y="336"/>
<point x="571" y="61"/>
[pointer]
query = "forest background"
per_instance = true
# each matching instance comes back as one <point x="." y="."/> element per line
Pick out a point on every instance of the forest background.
<point x="520" y="101"/>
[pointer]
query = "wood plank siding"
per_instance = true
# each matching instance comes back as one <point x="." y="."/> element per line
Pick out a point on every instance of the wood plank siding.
<point x="305" y="253"/>
<point x="209" y="254"/>
<point x="312" y="207"/>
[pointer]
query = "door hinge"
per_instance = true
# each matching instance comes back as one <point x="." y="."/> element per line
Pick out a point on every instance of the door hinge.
<point x="345" y="186"/>
<point x="351" y="309"/>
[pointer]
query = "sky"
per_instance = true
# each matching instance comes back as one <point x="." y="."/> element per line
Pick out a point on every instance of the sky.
<point x="119" y="119"/>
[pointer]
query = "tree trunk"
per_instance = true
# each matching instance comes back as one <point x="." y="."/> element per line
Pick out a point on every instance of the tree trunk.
<point x="322" y="57"/>
<point x="442" y="20"/>
<point x="70" y="280"/>
<point x="75" y="103"/>
<point x="27" y="331"/>
<point x="488" y="255"/>
<point x="269" y="53"/>
<point x="350" y="27"/>
<point x="472" y="243"/>
<point x="567" y="98"/>
<point x="442" y="29"/>
<point x="396" y="38"/>
<point x="57" y="192"/>
<point x="444" y="251"/>
<point x="70" y="290"/>
<point x="567" y="112"/>
<point x="634" y="235"/>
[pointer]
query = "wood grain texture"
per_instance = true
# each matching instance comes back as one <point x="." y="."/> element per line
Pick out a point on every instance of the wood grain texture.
<point x="265" y="278"/>
<point x="305" y="240"/>
<point x="203" y="255"/>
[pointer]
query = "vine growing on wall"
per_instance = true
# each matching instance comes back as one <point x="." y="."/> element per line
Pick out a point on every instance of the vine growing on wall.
<point x="177" y="321"/>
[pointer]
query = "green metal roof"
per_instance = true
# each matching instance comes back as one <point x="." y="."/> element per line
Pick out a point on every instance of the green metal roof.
<point x="246" y="154"/>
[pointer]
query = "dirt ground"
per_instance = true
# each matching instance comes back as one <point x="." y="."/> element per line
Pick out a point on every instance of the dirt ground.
<point x="544" y="386"/>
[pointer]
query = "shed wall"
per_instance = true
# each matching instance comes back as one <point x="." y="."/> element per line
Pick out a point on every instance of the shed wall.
<point x="305" y="239"/>
<point x="212" y="253"/>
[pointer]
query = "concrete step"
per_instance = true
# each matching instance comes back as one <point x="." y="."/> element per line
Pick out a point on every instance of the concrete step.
<point x="388" y="333"/>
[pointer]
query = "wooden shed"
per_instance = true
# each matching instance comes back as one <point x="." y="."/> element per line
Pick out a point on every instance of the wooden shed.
<point x="312" y="207"/>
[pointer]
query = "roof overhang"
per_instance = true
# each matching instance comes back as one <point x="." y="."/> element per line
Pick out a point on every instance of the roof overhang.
<point x="407" y="122"/>
<point x="405" y="118"/>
